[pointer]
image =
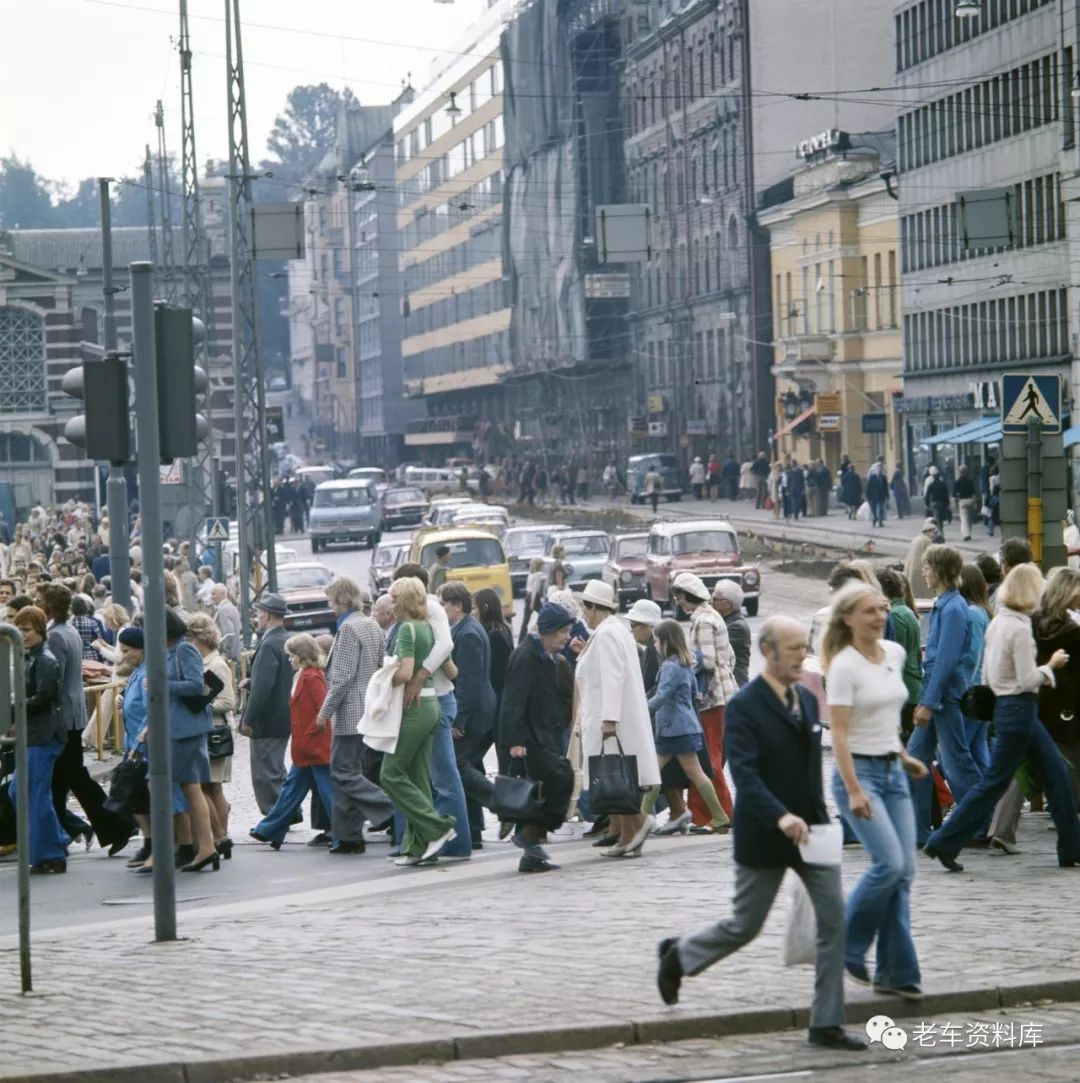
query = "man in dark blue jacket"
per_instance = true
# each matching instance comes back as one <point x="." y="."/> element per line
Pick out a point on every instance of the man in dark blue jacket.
<point x="773" y="744"/>
<point x="474" y="727"/>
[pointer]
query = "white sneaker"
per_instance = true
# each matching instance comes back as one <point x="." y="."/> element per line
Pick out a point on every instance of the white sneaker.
<point x="407" y="859"/>
<point x="436" y="845"/>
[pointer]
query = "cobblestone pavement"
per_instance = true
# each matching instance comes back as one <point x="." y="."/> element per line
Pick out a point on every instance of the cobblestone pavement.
<point x="463" y="951"/>
<point x="961" y="1053"/>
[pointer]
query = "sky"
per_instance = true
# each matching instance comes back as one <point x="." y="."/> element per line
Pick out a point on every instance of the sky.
<point x="79" y="78"/>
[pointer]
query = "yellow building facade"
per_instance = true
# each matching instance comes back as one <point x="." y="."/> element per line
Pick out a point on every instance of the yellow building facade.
<point x="834" y="240"/>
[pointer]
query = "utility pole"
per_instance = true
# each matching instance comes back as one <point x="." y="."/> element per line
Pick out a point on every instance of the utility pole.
<point x="144" y="348"/>
<point x="253" y="512"/>
<point x="168" y="257"/>
<point x="116" y="487"/>
<point x="197" y="284"/>
<point x="151" y="217"/>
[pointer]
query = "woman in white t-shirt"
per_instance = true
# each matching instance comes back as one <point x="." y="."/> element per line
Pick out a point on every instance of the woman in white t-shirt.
<point x="865" y="687"/>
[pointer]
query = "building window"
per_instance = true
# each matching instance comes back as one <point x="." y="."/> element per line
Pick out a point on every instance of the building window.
<point x="22" y="362"/>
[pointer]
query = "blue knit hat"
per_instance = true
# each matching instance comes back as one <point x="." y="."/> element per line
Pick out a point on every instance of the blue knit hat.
<point x="552" y="617"/>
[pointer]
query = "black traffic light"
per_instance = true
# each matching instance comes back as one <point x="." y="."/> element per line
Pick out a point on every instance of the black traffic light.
<point x="176" y="386"/>
<point x="104" y="430"/>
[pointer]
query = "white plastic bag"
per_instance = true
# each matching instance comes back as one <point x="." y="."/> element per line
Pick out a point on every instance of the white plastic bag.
<point x="863" y="514"/>
<point x="800" y="940"/>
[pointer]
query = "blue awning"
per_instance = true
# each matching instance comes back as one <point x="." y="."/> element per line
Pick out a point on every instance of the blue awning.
<point x="962" y="434"/>
<point x="988" y="433"/>
<point x="1072" y="436"/>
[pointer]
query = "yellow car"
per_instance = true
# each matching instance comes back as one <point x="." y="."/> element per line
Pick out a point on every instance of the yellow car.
<point x="477" y="558"/>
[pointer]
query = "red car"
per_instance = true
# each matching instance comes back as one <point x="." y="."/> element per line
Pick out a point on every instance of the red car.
<point x="707" y="547"/>
<point x="625" y="567"/>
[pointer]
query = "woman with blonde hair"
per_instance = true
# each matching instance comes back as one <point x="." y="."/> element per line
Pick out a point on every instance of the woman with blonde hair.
<point x="1010" y="669"/>
<point x="405" y="772"/>
<point x="203" y="632"/>
<point x="310" y="750"/>
<point x="866" y="691"/>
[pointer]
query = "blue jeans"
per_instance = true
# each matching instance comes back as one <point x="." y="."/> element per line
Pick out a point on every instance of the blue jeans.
<point x="943" y="735"/>
<point x="446" y="782"/>
<point x="275" y="824"/>
<point x="878" y="908"/>
<point x="877" y="511"/>
<point x="1019" y="736"/>
<point x="978" y="739"/>
<point x="48" y="840"/>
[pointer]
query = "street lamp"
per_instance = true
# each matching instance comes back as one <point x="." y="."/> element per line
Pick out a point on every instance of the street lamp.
<point x="968" y="9"/>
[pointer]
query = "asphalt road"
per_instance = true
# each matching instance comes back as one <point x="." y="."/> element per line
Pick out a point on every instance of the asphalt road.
<point x="98" y="889"/>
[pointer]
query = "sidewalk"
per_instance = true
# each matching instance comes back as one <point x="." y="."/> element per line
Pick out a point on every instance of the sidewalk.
<point x="474" y="960"/>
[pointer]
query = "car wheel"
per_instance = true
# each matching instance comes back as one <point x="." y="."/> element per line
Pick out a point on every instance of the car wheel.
<point x="751" y="606"/>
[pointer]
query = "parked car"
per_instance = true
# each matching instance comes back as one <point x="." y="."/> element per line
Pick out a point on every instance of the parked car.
<point x="345" y="511"/>
<point x="303" y="586"/>
<point x="707" y="547"/>
<point x="586" y="554"/>
<point x="637" y="466"/>
<point x="523" y="545"/>
<point x="384" y="561"/>
<point x="442" y="512"/>
<point x="403" y="507"/>
<point x="625" y="567"/>
<point x="488" y="515"/>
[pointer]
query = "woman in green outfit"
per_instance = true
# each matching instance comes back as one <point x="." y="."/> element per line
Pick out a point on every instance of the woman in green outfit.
<point x="405" y="776"/>
<point x="905" y="623"/>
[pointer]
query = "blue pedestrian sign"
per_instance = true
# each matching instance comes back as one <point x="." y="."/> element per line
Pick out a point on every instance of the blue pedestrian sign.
<point x="217" y="529"/>
<point x="1024" y="396"/>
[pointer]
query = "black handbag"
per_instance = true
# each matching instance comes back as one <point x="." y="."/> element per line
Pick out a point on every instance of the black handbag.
<point x="219" y="741"/>
<point x="128" y="778"/>
<point x="978" y="703"/>
<point x="199" y="703"/>
<point x="613" y="783"/>
<point x="518" y="798"/>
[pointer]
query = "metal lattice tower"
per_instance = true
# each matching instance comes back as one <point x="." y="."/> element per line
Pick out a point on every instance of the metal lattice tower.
<point x="197" y="287"/>
<point x="168" y="256"/>
<point x="151" y="218"/>
<point x="253" y="513"/>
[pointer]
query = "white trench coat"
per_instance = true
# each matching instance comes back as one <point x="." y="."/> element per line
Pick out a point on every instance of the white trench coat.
<point x="609" y="686"/>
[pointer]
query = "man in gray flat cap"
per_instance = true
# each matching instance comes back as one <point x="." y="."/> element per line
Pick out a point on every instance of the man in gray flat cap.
<point x="266" y="716"/>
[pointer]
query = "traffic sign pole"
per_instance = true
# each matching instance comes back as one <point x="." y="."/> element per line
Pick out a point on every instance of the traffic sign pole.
<point x="1034" y="489"/>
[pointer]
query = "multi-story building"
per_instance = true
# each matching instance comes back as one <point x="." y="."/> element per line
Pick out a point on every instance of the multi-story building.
<point x="455" y="345"/>
<point x="833" y="239"/>
<point x="382" y="411"/>
<point x="987" y="104"/>
<point x="715" y="95"/>
<point x="51" y="302"/>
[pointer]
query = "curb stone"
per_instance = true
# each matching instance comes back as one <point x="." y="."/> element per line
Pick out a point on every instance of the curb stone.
<point x="528" y="1040"/>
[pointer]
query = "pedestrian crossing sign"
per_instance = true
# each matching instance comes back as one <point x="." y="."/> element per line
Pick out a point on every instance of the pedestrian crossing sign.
<point x="1025" y="396"/>
<point x="217" y="529"/>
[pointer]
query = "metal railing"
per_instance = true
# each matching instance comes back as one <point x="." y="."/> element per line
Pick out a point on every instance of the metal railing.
<point x="13" y="714"/>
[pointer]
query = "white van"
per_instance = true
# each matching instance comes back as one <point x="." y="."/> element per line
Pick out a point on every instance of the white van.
<point x="433" y="480"/>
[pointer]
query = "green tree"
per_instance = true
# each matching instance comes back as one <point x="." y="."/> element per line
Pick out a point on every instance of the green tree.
<point x="305" y="130"/>
<point x="25" y="198"/>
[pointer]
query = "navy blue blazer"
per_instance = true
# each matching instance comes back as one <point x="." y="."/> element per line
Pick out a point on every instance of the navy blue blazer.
<point x="775" y="760"/>
<point x="476" y="699"/>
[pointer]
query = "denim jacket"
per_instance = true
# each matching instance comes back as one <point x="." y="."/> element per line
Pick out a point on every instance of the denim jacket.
<point x="673" y="703"/>
<point x="947" y="645"/>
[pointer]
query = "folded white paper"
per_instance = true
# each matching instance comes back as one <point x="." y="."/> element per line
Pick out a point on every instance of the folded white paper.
<point x="825" y="845"/>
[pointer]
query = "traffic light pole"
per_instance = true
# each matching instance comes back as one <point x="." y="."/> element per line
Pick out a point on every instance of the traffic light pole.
<point x="116" y="487"/>
<point x="157" y="717"/>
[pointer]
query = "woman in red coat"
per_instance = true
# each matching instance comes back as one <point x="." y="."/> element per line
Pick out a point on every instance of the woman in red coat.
<point x="310" y="743"/>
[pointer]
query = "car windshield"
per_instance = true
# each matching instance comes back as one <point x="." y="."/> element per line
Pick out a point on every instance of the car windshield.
<point x="403" y="496"/>
<point x="704" y="541"/>
<point x="389" y="554"/>
<point x="580" y="546"/>
<point x="528" y="541"/>
<point x="632" y="547"/>
<point x="352" y="497"/>
<point x="467" y="553"/>
<point x="302" y="578"/>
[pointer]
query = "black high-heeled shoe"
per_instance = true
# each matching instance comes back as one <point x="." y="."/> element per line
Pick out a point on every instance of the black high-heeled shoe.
<point x="224" y="847"/>
<point x="184" y="855"/>
<point x="949" y="863"/>
<point x="213" y="860"/>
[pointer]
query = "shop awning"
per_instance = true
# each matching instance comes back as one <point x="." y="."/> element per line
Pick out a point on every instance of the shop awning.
<point x="989" y="433"/>
<point x="797" y="420"/>
<point x="1071" y="436"/>
<point x="962" y="434"/>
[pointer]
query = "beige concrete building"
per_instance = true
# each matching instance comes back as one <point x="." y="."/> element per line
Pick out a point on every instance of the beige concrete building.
<point x="834" y="237"/>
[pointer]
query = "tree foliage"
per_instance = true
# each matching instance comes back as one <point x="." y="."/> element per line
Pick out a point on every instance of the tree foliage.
<point x="25" y="197"/>
<point x="305" y="130"/>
